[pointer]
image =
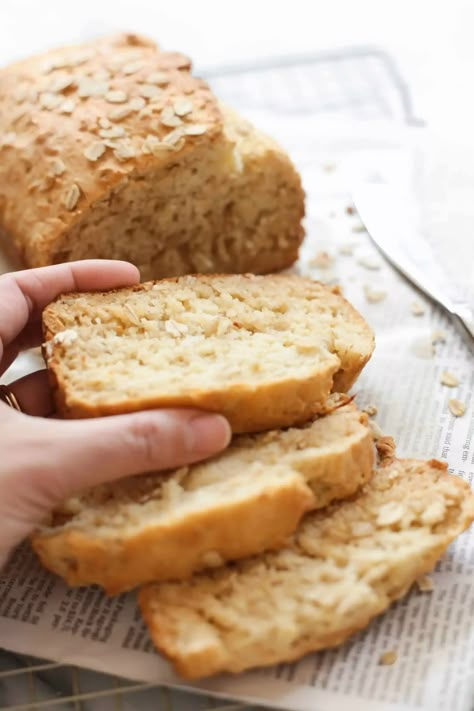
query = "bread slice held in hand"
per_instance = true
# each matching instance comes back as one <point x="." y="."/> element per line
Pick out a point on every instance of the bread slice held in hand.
<point x="265" y="351"/>
<point x="248" y="499"/>
<point x="345" y="565"/>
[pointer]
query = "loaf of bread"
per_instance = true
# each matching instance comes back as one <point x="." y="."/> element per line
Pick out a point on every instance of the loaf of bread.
<point x="345" y="565"/>
<point x="265" y="351"/>
<point x="246" y="500"/>
<point x="113" y="149"/>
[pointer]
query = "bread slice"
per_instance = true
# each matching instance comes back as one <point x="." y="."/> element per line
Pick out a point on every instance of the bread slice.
<point x="113" y="149"/>
<point x="263" y="351"/>
<point x="248" y="499"/>
<point x="345" y="565"/>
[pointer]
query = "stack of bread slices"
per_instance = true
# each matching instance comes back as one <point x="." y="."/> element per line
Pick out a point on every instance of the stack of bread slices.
<point x="296" y="535"/>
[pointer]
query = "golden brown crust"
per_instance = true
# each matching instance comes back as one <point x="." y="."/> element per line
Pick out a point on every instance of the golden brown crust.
<point x="230" y="527"/>
<point x="251" y="408"/>
<point x="255" y="523"/>
<point x="212" y="623"/>
<point x="47" y="124"/>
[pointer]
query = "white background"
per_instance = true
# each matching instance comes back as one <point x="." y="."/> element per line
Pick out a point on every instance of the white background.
<point x="431" y="41"/>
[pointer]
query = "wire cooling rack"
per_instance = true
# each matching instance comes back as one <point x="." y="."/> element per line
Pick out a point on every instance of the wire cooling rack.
<point x="360" y="83"/>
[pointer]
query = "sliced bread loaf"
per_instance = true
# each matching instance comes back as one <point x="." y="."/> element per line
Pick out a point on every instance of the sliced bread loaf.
<point x="345" y="565"/>
<point x="248" y="499"/>
<point x="263" y="351"/>
<point x="113" y="149"/>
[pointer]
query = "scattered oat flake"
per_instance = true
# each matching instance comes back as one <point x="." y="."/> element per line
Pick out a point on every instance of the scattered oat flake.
<point x="346" y="249"/>
<point x="116" y="97"/>
<point x="374" y="296"/>
<point x="371" y="410"/>
<point x="71" y="197"/>
<point x="328" y="167"/>
<point x="448" y="379"/>
<point x="321" y="260"/>
<point x="369" y="263"/>
<point x="94" y="151"/>
<point x="388" y="658"/>
<point x="150" y="91"/>
<point x="67" y="106"/>
<point x="423" y="348"/>
<point x="438" y="336"/>
<point x="359" y="228"/>
<point x="195" y="129"/>
<point x="425" y="584"/>
<point x="456" y="407"/>
<point x="350" y="210"/>
<point x="182" y="107"/>
<point x="417" y="309"/>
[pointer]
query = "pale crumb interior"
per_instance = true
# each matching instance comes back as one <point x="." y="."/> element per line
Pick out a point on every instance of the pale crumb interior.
<point x="223" y="207"/>
<point x="251" y="463"/>
<point x="201" y="335"/>
<point x="345" y="564"/>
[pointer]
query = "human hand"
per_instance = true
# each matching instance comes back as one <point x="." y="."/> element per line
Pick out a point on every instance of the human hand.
<point x="43" y="461"/>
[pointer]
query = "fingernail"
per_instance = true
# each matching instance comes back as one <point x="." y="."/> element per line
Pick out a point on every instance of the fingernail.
<point x="210" y="433"/>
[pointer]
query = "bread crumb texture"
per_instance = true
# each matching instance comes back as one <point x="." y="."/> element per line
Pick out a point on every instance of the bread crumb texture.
<point x="153" y="170"/>
<point x="344" y="565"/>
<point x="263" y="351"/>
<point x="166" y="526"/>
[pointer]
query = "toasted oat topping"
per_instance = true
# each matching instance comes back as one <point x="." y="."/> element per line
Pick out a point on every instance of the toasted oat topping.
<point x="49" y="100"/>
<point x="88" y="87"/>
<point x="57" y="166"/>
<point x="182" y="107"/>
<point x="159" y="78"/>
<point x="67" y="106"/>
<point x="60" y="82"/>
<point x="116" y="97"/>
<point x="124" y="150"/>
<point x="112" y="132"/>
<point x="150" y="91"/>
<point x="94" y="151"/>
<point x="120" y="112"/>
<point x="456" y="407"/>
<point x="104" y="122"/>
<point x="137" y="103"/>
<point x="195" y="129"/>
<point x="132" y="67"/>
<point x="169" y="118"/>
<point x="71" y="196"/>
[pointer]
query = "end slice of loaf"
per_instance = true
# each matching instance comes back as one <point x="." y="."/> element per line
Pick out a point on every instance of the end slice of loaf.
<point x="265" y="351"/>
<point x="345" y="565"/>
<point x="248" y="499"/>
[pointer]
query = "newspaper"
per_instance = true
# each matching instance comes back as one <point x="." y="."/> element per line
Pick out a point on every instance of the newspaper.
<point x="432" y="633"/>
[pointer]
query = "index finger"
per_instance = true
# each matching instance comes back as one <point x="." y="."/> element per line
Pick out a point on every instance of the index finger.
<point x="24" y="294"/>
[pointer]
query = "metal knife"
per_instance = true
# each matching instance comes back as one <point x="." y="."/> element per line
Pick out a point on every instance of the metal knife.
<point x="387" y="215"/>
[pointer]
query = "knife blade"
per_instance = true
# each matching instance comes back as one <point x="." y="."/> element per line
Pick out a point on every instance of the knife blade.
<point x="390" y="218"/>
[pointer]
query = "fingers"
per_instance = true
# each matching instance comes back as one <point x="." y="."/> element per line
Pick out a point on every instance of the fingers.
<point x="90" y="452"/>
<point x="33" y="394"/>
<point x="23" y="295"/>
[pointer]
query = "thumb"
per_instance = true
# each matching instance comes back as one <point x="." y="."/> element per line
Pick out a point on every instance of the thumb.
<point x="94" y="451"/>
